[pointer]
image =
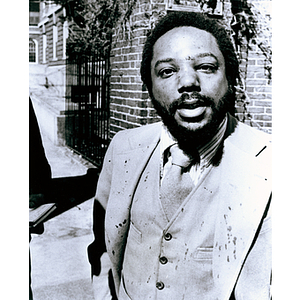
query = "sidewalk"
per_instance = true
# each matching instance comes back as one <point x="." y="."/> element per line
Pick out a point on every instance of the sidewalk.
<point x="59" y="264"/>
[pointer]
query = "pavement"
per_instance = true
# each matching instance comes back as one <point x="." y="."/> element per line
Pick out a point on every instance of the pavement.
<point x="59" y="264"/>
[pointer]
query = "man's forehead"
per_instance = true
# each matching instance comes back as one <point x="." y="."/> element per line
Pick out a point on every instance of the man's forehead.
<point x="183" y="32"/>
<point x="187" y="42"/>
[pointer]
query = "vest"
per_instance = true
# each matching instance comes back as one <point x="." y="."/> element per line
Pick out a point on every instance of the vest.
<point x="170" y="260"/>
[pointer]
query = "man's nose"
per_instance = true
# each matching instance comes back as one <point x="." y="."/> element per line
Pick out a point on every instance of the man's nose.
<point x="188" y="81"/>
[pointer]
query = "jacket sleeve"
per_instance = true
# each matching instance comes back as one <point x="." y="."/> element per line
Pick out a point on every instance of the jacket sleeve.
<point x="97" y="248"/>
<point x="98" y="258"/>
<point x="255" y="279"/>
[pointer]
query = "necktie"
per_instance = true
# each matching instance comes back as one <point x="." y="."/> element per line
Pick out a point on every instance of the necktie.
<point x="177" y="183"/>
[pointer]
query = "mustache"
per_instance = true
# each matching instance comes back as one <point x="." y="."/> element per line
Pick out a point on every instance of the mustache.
<point x="191" y="101"/>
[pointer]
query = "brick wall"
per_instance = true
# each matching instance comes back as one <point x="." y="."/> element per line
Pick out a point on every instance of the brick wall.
<point x="259" y="90"/>
<point x="130" y="106"/>
<point x="258" y="85"/>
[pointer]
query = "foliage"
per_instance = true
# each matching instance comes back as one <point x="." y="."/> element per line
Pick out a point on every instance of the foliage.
<point x="94" y="22"/>
<point x="250" y="28"/>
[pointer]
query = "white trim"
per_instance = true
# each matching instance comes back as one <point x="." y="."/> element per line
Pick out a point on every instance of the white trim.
<point x="46" y="16"/>
<point x="55" y="36"/>
<point x="53" y="10"/>
<point x="49" y="10"/>
<point x="34" y="30"/>
<point x="44" y="48"/>
<point x="43" y="22"/>
<point x="65" y="36"/>
<point x="54" y="18"/>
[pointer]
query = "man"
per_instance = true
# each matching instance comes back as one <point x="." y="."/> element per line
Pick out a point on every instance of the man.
<point x="187" y="202"/>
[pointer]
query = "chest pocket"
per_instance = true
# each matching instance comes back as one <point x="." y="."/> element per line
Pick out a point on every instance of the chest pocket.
<point x="135" y="234"/>
<point x="203" y="254"/>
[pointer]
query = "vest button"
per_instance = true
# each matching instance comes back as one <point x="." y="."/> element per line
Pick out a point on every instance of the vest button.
<point x="168" y="236"/>
<point x="163" y="260"/>
<point x="160" y="285"/>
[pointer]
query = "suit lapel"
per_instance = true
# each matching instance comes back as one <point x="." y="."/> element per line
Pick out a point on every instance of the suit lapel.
<point x="126" y="175"/>
<point x="245" y="191"/>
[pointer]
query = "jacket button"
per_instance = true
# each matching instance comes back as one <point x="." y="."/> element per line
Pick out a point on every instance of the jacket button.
<point x="163" y="260"/>
<point x="168" y="236"/>
<point x="160" y="285"/>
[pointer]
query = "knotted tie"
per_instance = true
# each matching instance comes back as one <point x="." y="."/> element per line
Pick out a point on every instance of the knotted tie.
<point x="177" y="183"/>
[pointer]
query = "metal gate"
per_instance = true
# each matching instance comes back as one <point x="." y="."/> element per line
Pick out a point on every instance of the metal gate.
<point x="87" y="106"/>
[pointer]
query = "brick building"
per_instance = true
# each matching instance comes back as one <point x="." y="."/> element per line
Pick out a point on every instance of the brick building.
<point x="129" y="104"/>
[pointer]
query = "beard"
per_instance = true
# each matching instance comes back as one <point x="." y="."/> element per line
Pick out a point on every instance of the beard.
<point x="190" y="140"/>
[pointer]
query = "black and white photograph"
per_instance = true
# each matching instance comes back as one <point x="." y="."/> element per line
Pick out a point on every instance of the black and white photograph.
<point x="150" y="156"/>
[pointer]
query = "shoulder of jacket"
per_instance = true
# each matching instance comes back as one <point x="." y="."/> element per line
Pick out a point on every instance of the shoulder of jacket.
<point x="137" y="137"/>
<point x="250" y="140"/>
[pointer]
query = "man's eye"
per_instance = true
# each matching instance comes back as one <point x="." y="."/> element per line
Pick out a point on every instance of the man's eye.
<point x="165" y="73"/>
<point x="207" y="68"/>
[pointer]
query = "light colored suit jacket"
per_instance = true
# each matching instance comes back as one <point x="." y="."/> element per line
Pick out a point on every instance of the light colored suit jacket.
<point x="242" y="247"/>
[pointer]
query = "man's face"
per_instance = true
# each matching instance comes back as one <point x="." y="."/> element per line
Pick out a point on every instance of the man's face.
<point x="188" y="78"/>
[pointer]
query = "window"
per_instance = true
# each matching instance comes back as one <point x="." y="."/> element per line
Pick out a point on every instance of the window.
<point x="212" y="8"/>
<point x="32" y="51"/>
<point x="34" y="5"/>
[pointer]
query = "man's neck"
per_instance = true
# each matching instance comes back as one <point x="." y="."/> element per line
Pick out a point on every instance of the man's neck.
<point x="197" y="148"/>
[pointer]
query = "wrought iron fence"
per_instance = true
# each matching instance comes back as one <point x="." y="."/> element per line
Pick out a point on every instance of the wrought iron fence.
<point x="87" y="106"/>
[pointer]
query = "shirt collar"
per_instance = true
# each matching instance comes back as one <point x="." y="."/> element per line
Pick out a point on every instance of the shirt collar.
<point x="206" y="152"/>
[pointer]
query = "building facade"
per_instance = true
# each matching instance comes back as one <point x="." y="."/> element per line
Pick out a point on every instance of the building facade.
<point x="129" y="103"/>
<point x="48" y="33"/>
